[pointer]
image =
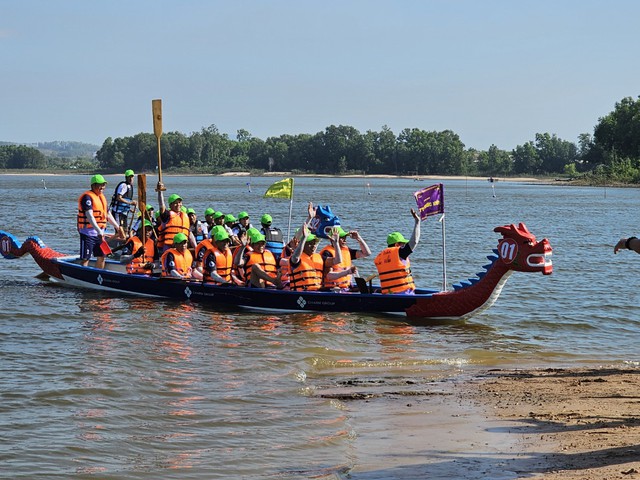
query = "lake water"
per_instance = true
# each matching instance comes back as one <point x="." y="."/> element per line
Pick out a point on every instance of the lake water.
<point x="99" y="386"/>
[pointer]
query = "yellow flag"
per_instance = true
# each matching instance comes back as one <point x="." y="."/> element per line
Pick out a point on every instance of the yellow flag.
<point x="280" y="189"/>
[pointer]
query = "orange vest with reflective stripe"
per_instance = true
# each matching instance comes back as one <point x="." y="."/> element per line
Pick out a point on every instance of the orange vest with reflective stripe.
<point x="178" y="223"/>
<point x="395" y="273"/>
<point x="183" y="262"/>
<point x="342" y="282"/>
<point x="224" y="262"/>
<point x="308" y="273"/>
<point x="99" y="208"/>
<point x="266" y="261"/>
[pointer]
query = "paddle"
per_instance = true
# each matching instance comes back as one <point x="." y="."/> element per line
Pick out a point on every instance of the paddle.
<point x="142" y="201"/>
<point x="156" y="107"/>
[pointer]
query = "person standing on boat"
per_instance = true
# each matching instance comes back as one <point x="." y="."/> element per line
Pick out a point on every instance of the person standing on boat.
<point x="177" y="261"/>
<point x="173" y="221"/>
<point x="393" y="264"/>
<point x="122" y="199"/>
<point x="92" y="219"/>
<point x="348" y="255"/>
<point x="631" y="243"/>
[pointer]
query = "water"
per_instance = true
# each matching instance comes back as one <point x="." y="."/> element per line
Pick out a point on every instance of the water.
<point x="96" y="386"/>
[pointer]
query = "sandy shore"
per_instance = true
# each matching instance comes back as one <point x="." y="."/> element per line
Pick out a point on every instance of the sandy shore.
<point x="434" y="178"/>
<point x="581" y="423"/>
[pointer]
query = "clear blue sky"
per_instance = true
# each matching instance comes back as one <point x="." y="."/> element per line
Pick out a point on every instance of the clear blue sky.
<point x="494" y="72"/>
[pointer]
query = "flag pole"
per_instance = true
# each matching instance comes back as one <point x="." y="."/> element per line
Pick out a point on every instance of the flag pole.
<point x="290" y="212"/>
<point x="444" y="254"/>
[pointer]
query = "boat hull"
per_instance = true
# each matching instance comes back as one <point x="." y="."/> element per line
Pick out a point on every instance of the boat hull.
<point x="110" y="279"/>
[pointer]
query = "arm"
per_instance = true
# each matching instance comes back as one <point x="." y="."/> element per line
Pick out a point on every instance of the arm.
<point x="364" y="251"/>
<point x="415" y="236"/>
<point x="121" y="199"/>
<point x="210" y="267"/>
<point x="631" y="243"/>
<point x="161" y="204"/>
<point x="295" y="257"/>
<point x="169" y="262"/>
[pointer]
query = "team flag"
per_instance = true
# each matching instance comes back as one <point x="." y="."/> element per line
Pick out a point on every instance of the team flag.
<point x="430" y="200"/>
<point x="281" y="189"/>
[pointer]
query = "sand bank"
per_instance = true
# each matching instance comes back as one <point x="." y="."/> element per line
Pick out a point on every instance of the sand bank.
<point x="554" y="424"/>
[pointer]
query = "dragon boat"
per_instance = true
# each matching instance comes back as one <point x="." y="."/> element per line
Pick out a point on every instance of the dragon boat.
<point x="517" y="250"/>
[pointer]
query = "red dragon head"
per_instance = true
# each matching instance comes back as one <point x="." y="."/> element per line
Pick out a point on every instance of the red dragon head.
<point x="519" y="250"/>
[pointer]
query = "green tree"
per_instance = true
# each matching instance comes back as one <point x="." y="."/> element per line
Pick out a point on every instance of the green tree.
<point x="619" y="131"/>
<point x="526" y="159"/>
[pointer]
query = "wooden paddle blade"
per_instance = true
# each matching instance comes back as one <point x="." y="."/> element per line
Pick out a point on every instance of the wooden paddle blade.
<point x="142" y="191"/>
<point x="156" y="107"/>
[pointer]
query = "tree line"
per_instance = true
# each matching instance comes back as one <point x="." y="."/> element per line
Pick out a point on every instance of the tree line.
<point x="611" y="153"/>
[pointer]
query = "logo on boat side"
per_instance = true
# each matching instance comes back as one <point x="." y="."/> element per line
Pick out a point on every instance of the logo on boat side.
<point x="100" y="279"/>
<point x="302" y="302"/>
<point x="188" y="292"/>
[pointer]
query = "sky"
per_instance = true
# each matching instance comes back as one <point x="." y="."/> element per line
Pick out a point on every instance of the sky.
<point x="494" y="72"/>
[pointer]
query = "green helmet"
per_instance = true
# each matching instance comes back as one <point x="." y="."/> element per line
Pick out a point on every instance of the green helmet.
<point x="147" y="223"/>
<point x="191" y="210"/>
<point x="311" y="238"/>
<point x="395" y="237"/>
<point x="220" y="236"/>
<point x="129" y="173"/>
<point x="228" y="218"/>
<point x="258" y="237"/>
<point x="218" y="215"/>
<point x="209" y="211"/>
<point x="242" y="215"/>
<point x="216" y="229"/>
<point x="266" y="219"/>
<point x="179" y="238"/>
<point x="98" y="179"/>
<point x="341" y="231"/>
<point x="173" y="197"/>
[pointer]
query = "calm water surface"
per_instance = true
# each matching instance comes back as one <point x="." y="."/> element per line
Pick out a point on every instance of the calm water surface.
<point x="96" y="386"/>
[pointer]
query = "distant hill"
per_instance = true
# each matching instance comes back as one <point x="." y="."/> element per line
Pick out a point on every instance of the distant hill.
<point x="60" y="149"/>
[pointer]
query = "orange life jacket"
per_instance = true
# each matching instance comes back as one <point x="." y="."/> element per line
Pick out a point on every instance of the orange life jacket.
<point x="342" y="282"/>
<point x="183" y="262"/>
<point x="266" y="261"/>
<point x="395" y="273"/>
<point x="224" y="262"/>
<point x="201" y="249"/>
<point x="177" y="223"/>
<point x="307" y="275"/>
<point x="137" y="264"/>
<point x="99" y="208"/>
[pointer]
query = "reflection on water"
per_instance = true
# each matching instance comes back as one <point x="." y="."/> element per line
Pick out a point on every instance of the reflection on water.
<point x="95" y="385"/>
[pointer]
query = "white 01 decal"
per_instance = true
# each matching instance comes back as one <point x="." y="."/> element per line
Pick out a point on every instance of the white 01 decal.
<point x="508" y="250"/>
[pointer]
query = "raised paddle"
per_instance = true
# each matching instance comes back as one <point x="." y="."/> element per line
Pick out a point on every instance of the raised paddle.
<point x="142" y="202"/>
<point x="156" y="108"/>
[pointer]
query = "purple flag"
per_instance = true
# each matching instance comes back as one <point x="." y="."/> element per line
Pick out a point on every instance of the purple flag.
<point x="430" y="200"/>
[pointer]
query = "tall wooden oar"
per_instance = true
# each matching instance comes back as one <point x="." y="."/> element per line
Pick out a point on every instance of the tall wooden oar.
<point x="142" y="202"/>
<point x="156" y="107"/>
